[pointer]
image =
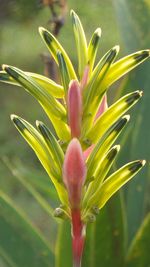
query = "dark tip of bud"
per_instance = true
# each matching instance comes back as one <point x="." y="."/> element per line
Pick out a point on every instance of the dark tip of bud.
<point x="46" y="35"/>
<point x="121" y="123"/>
<point x="135" y="96"/>
<point x="113" y="152"/>
<point x="113" y="53"/>
<point x="142" y="55"/>
<point x="137" y="165"/>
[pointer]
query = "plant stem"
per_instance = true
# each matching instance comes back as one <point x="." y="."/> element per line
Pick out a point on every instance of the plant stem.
<point x="78" y="237"/>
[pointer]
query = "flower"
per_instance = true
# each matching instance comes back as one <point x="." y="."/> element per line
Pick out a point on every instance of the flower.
<point x="79" y="158"/>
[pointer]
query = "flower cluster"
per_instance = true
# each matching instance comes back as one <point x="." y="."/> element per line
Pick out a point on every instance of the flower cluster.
<point x="80" y="154"/>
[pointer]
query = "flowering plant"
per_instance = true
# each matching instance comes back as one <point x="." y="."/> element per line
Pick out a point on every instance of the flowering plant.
<point x="80" y="155"/>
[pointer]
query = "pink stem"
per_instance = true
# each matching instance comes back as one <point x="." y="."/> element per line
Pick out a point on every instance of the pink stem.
<point x="78" y="237"/>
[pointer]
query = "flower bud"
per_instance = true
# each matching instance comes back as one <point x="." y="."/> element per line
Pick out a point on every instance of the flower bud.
<point x="74" y="108"/>
<point x="103" y="107"/>
<point x="74" y="172"/>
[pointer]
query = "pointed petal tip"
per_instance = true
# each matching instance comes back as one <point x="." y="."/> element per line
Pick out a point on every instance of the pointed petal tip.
<point x="98" y="31"/>
<point x="37" y="123"/>
<point x="41" y="30"/>
<point x="116" y="48"/>
<point x="72" y="12"/>
<point x="117" y="148"/>
<point x="73" y="82"/>
<point x="126" y="117"/>
<point x="143" y="162"/>
<point x="13" y="117"/>
<point x="141" y="93"/>
<point x="5" y="66"/>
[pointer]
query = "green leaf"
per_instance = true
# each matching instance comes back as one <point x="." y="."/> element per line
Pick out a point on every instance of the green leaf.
<point x="124" y="65"/>
<point x="52" y="143"/>
<point x="138" y="254"/>
<point x="104" y="145"/>
<point x="21" y="243"/>
<point x="36" y="141"/>
<point x="93" y="47"/>
<point x="135" y="34"/>
<point x="63" y="72"/>
<point x="54" y="46"/>
<point x="104" y="245"/>
<point x="81" y="43"/>
<point x="20" y="176"/>
<point x="114" y="182"/>
<point x="113" y="113"/>
<point x="63" y="253"/>
<point x="47" y="84"/>
<point x="54" y="109"/>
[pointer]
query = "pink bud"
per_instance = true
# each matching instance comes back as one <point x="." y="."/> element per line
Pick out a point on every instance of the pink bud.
<point x="103" y="107"/>
<point x="74" y="108"/>
<point x="74" y="172"/>
<point x="88" y="151"/>
<point x="85" y="77"/>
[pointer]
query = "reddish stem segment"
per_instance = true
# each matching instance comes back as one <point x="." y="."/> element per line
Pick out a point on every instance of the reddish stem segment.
<point x="78" y="237"/>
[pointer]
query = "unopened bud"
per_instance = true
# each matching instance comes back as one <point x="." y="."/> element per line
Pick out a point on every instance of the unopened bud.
<point x="103" y="107"/>
<point x="74" y="103"/>
<point x="74" y="172"/>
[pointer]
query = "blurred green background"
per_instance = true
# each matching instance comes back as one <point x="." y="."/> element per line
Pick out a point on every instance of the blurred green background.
<point x="122" y="22"/>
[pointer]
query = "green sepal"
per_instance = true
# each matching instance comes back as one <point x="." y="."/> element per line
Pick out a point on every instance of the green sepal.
<point x="104" y="145"/>
<point x="54" y="109"/>
<point x="93" y="94"/>
<point x="37" y="143"/>
<point x="123" y="66"/>
<point x="101" y="172"/>
<point x="112" y="114"/>
<point x="52" y="144"/>
<point x="54" y="46"/>
<point x="81" y="43"/>
<point x="114" y="182"/>
<point x="65" y="78"/>
<point x="93" y="47"/>
<point x="49" y="85"/>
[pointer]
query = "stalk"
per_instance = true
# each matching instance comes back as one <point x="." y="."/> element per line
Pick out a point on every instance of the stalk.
<point x="78" y="237"/>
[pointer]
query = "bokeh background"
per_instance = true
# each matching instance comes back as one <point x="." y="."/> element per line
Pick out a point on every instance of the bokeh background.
<point x="123" y="22"/>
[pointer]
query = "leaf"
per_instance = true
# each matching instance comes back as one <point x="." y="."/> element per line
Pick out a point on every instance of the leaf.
<point x="21" y="243"/>
<point x="112" y="114"/>
<point x="114" y="182"/>
<point x="27" y="184"/>
<point x="104" y="245"/>
<point x="54" y="46"/>
<point x="47" y="84"/>
<point x="104" y="145"/>
<point x="63" y="253"/>
<point x="93" y="47"/>
<point x="81" y="43"/>
<point x="35" y="140"/>
<point x="54" y="109"/>
<point x="135" y="34"/>
<point x="138" y="254"/>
